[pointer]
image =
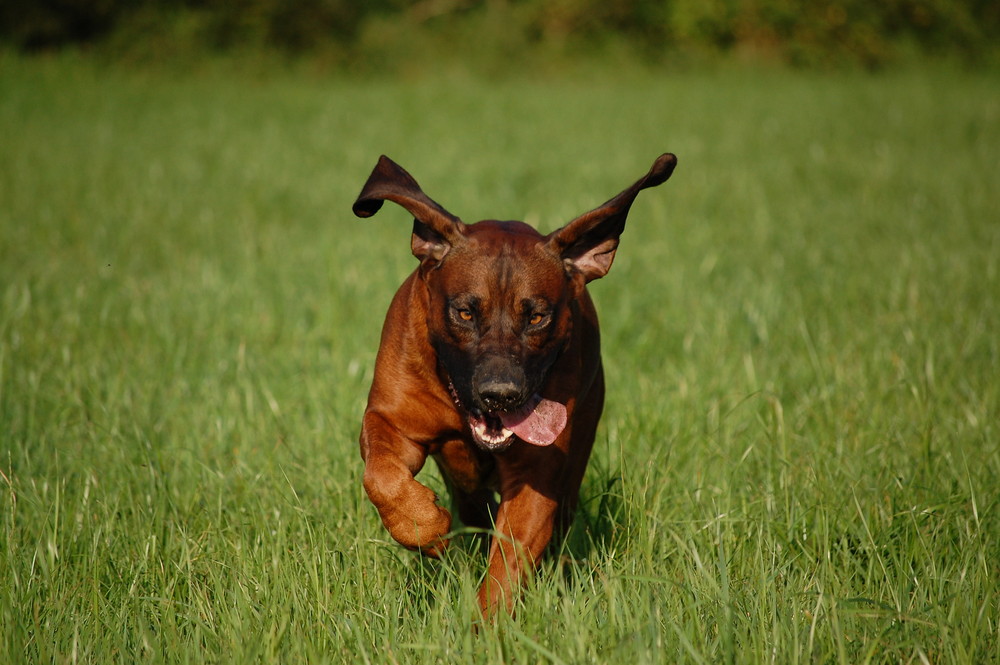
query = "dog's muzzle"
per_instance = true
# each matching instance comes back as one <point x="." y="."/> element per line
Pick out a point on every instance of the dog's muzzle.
<point x="537" y="421"/>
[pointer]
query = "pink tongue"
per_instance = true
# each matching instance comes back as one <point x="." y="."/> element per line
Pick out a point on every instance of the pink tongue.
<point x="540" y="421"/>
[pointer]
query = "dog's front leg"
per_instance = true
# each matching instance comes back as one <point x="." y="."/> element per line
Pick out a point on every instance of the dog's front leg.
<point x="408" y="509"/>
<point x="524" y="527"/>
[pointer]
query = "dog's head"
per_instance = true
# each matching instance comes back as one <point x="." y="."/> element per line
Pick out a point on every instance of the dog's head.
<point x="500" y="298"/>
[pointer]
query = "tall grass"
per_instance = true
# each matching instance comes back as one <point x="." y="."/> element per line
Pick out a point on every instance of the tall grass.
<point x="799" y="459"/>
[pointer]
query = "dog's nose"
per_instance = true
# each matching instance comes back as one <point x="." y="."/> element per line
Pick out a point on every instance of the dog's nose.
<point x="500" y="395"/>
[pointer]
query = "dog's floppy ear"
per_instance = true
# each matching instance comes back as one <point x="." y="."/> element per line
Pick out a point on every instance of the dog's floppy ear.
<point x="588" y="243"/>
<point x="435" y="230"/>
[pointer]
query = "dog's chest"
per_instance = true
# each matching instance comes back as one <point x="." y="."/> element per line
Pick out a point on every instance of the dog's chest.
<point x="467" y="466"/>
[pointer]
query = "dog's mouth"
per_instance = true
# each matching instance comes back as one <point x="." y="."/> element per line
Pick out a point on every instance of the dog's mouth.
<point x="538" y="421"/>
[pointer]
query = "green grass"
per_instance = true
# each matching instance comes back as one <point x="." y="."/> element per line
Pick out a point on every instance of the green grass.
<point x="799" y="459"/>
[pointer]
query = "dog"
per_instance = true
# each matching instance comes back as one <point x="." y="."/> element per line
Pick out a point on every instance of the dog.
<point x="489" y="363"/>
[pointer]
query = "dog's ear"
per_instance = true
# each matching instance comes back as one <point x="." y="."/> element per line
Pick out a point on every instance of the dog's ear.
<point x="435" y="230"/>
<point x="588" y="243"/>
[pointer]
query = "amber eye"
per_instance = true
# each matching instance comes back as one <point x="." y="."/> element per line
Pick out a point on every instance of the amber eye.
<point x="465" y="315"/>
<point x="536" y="318"/>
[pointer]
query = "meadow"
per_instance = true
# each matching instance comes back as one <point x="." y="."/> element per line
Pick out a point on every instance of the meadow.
<point x="799" y="460"/>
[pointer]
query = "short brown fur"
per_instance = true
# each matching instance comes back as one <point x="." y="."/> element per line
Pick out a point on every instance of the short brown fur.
<point x="495" y="319"/>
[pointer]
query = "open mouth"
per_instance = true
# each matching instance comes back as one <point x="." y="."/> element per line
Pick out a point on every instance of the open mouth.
<point x="538" y="421"/>
<point x="489" y="432"/>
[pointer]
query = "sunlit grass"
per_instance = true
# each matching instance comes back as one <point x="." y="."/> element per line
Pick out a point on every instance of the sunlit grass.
<point x="799" y="457"/>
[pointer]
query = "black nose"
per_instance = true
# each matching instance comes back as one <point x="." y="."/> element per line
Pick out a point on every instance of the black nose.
<point x="499" y="395"/>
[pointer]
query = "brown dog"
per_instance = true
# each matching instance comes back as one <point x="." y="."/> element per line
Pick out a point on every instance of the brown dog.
<point x="489" y="362"/>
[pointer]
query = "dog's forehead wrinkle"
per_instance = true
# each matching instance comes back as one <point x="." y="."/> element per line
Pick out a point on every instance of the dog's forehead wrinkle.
<point x="516" y="285"/>
<point x="498" y="262"/>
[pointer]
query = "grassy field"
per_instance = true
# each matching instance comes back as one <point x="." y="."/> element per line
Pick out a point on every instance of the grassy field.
<point x="800" y="455"/>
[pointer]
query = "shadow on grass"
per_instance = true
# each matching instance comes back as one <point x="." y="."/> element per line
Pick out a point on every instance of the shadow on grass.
<point x="600" y="520"/>
<point x="599" y="523"/>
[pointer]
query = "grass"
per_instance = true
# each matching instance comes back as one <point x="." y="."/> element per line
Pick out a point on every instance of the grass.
<point x="799" y="459"/>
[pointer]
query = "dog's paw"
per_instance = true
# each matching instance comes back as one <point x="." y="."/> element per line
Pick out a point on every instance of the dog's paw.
<point x="420" y="525"/>
<point x="424" y="532"/>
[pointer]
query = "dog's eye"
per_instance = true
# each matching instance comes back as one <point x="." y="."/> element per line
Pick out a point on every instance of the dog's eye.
<point x="536" y="319"/>
<point x="465" y="314"/>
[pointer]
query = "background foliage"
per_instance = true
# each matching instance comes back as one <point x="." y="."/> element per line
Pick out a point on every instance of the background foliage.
<point x="356" y="34"/>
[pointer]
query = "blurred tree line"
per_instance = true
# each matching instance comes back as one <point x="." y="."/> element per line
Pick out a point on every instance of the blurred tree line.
<point x="797" y="31"/>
